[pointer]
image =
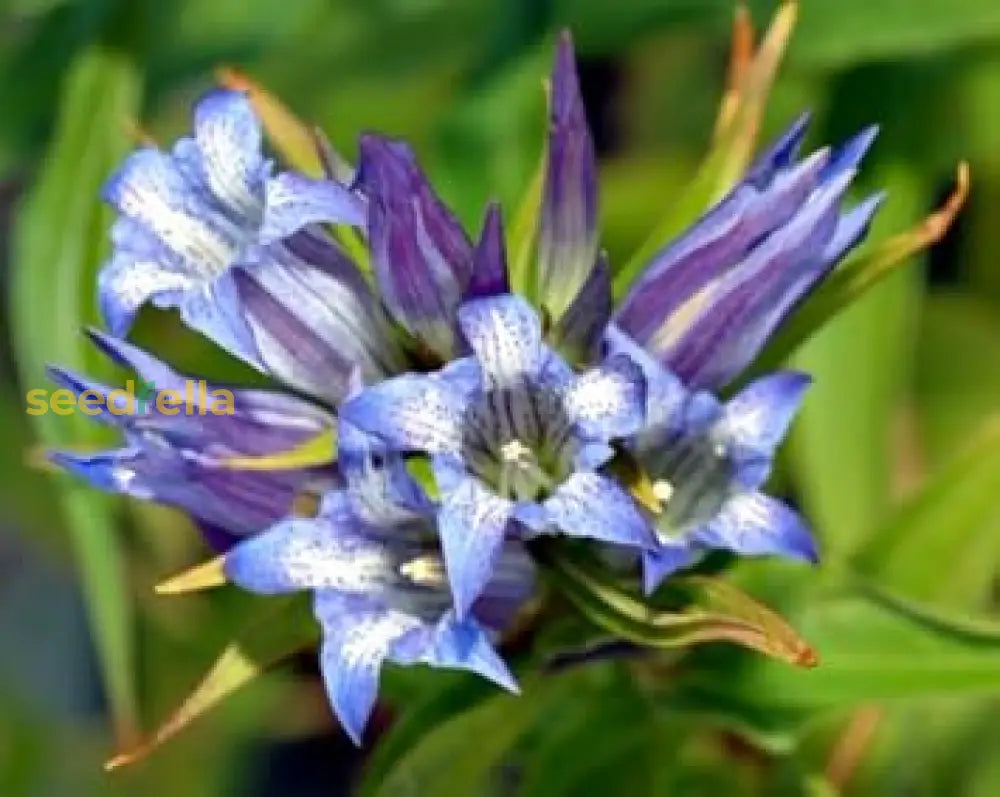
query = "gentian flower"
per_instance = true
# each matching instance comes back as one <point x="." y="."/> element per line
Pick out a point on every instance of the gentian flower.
<point x="208" y="229"/>
<point x="706" y="304"/>
<point x="515" y="439"/>
<point x="379" y="590"/>
<point x="529" y="409"/>
<point x="180" y="459"/>
<point x="704" y="462"/>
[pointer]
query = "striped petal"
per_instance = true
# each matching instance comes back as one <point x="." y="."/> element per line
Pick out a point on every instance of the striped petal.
<point x="151" y="191"/>
<point x="593" y="506"/>
<point x="421" y="255"/>
<point x="741" y="309"/>
<point x="489" y="260"/>
<point x="754" y="524"/>
<point x="677" y="284"/>
<point x="609" y="401"/>
<point x="567" y="245"/>
<point x="313" y="319"/>
<point x="228" y="135"/>
<point x="472" y="524"/>
<point x="577" y="335"/>
<point x="309" y="553"/>
<point x="506" y="336"/>
<point x="293" y="201"/>
<point x="409" y="413"/>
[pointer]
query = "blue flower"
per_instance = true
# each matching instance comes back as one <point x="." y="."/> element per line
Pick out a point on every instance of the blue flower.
<point x="567" y="237"/>
<point x="208" y="229"/>
<point x="706" y="460"/>
<point x="707" y="303"/>
<point x="528" y="418"/>
<point x="180" y="459"/>
<point x="515" y="439"/>
<point x="380" y="594"/>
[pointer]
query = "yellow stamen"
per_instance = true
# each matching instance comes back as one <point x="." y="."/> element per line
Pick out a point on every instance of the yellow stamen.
<point x="425" y="571"/>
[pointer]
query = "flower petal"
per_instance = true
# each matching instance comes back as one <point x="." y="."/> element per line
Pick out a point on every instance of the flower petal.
<point x="850" y="154"/>
<point x="309" y="553"/>
<point x="420" y="253"/>
<point x="754" y="524"/>
<point x="381" y="491"/>
<point x="294" y="201"/>
<point x="852" y="228"/>
<point x="665" y="395"/>
<point x="567" y="245"/>
<point x="357" y="637"/>
<point x="314" y="320"/>
<point x="665" y="560"/>
<point x="506" y="336"/>
<point x="489" y="260"/>
<point x="465" y="645"/>
<point x="410" y="413"/>
<point x="125" y="283"/>
<point x="228" y="135"/>
<point x="780" y="154"/>
<point x="577" y="335"/>
<point x="144" y="364"/>
<point x="151" y="470"/>
<point x="608" y="401"/>
<point x="757" y="418"/>
<point x="150" y="190"/>
<point x="590" y="505"/>
<point x="472" y="524"/>
<point x="743" y="307"/>
<point x="217" y="311"/>
<point x="680" y="281"/>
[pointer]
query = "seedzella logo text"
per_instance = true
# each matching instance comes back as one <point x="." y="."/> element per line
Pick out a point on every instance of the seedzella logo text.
<point x="134" y="399"/>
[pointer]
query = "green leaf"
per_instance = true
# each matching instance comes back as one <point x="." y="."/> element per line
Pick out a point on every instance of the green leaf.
<point x="284" y="628"/>
<point x="718" y="611"/>
<point x="841" y="442"/>
<point x="849" y="31"/>
<point x="456" y="757"/>
<point x="60" y="236"/>
<point x="523" y="232"/>
<point x="606" y="737"/>
<point x="452" y="695"/>
<point x="944" y="523"/>
<point x="952" y="399"/>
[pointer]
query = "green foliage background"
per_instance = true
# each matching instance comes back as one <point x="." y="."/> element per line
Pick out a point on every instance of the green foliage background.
<point x="896" y="458"/>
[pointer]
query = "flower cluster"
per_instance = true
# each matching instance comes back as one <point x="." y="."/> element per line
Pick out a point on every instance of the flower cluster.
<point x="525" y="409"/>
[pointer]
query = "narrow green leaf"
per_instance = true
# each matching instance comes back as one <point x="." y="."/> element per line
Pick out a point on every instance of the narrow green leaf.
<point x="718" y="611"/>
<point x="940" y="524"/>
<point x="286" y="627"/>
<point x="524" y="230"/>
<point x="60" y="240"/>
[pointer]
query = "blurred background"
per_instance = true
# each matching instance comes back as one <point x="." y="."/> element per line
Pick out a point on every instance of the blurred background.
<point x="908" y="384"/>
